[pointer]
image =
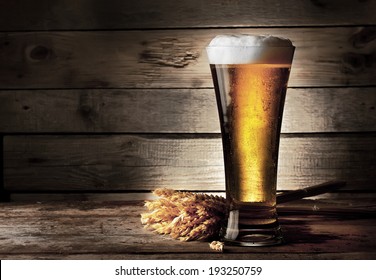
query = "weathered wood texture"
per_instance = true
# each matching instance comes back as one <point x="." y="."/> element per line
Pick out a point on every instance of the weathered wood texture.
<point x="175" y="110"/>
<point x="131" y="78"/>
<point x="120" y="14"/>
<point x="48" y="196"/>
<point x="137" y="72"/>
<point x="173" y="58"/>
<point x="113" y="230"/>
<point x="130" y="162"/>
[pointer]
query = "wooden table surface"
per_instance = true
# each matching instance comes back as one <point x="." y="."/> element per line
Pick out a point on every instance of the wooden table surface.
<point x="112" y="230"/>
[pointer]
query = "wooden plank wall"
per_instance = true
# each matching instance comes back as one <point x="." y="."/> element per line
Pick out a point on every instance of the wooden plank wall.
<point x="115" y="97"/>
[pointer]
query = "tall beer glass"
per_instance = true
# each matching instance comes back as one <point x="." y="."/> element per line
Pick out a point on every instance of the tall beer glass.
<point x="250" y="75"/>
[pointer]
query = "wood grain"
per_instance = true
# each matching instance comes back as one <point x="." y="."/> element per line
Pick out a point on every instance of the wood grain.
<point x="173" y="58"/>
<point x="175" y="110"/>
<point x="352" y="198"/>
<point x="140" y="68"/>
<point x="144" y="162"/>
<point x="101" y="230"/>
<point x="84" y="14"/>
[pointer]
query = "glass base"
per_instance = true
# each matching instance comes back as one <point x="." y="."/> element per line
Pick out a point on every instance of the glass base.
<point x="257" y="237"/>
<point x="253" y="226"/>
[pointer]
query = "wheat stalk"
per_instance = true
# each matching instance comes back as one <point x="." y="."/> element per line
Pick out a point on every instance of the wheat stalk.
<point x="184" y="215"/>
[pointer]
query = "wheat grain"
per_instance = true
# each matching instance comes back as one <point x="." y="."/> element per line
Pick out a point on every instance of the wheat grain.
<point x="216" y="245"/>
<point x="185" y="216"/>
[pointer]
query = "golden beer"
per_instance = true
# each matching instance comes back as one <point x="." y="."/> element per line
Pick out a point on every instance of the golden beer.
<point x="256" y="94"/>
<point x="250" y="98"/>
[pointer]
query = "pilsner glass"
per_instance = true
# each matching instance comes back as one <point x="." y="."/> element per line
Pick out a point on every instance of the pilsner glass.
<point x="250" y="80"/>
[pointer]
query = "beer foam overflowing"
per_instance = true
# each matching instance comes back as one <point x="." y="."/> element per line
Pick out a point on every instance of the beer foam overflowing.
<point x="244" y="49"/>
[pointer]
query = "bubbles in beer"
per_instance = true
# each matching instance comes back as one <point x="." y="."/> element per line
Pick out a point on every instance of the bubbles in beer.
<point x="253" y="105"/>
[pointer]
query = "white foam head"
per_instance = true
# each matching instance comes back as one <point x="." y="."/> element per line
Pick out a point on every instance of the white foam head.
<point x="244" y="49"/>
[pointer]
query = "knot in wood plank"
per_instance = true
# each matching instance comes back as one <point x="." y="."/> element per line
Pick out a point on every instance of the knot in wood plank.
<point x="168" y="52"/>
<point x="363" y="37"/>
<point x="354" y="63"/>
<point x="38" y="53"/>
